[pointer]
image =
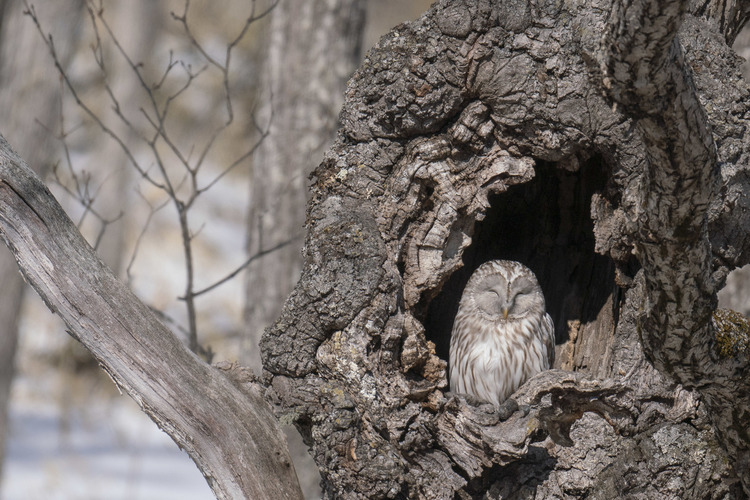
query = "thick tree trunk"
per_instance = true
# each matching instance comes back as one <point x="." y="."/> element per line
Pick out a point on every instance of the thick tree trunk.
<point x="578" y="140"/>
<point x="730" y="15"/>
<point x="680" y="179"/>
<point x="311" y="50"/>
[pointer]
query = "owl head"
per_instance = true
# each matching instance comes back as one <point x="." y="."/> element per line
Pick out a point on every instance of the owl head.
<point x="503" y="290"/>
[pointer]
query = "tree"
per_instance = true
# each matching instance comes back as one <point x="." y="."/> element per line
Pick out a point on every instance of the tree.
<point x="614" y="219"/>
<point x="27" y="125"/>
<point x="590" y="142"/>
<point x="305" y="69"/>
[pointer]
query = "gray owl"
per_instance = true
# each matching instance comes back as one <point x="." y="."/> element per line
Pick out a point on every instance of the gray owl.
<point x="502" y="335"/>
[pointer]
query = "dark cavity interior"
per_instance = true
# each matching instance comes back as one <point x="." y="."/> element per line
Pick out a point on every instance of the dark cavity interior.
<point x="546" y="225"/>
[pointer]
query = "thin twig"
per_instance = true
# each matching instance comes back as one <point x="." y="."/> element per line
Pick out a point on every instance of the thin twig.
<point x="31" y="11"/>
<point x="152" y="211"/>
<point x="242" y="266"/>
<point x="182" y="190"/>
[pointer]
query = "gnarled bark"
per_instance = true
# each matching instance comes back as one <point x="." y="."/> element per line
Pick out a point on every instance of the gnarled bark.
<point x="680" y="180"/>
<point x="517" y="130"/>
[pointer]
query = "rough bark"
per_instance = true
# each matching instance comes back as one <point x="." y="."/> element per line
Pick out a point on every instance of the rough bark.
<point x="730" y="15"/>
<point x="589" y="143"/>
<point x="218" y="416"/>
<point x="566" y="135"/>
<point x="680" y="179"/>
<point x="311" y="50"/>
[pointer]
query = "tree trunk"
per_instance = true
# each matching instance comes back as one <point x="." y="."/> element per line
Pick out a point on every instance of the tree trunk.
<point x="571" y="138"/>
<point x="311" y="51"/>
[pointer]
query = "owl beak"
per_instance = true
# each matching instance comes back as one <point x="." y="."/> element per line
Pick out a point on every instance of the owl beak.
<point x="505" y="313"/>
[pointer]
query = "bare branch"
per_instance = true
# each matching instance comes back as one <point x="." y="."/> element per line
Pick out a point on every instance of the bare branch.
<point x="242" y="266"/>
<point x="152" y="212"/>
<point x="182" y="188"/>
<point x="263" y="134"/>
<point x="31" y="12"/>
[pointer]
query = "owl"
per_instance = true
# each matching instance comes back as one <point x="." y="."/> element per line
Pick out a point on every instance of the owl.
<point x="502" y="335"/>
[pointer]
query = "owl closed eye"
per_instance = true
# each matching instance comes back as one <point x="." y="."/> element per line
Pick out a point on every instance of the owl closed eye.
<point x="501" y="299"/>
<point x="502" y="335"/>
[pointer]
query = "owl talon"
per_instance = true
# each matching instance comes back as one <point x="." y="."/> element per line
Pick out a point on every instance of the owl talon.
<point x="508" y="408"/>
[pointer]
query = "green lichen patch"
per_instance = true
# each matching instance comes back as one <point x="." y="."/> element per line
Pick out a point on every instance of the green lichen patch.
<point x="732" y="333"/>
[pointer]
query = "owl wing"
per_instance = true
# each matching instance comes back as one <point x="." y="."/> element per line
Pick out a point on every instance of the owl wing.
<point x="548" y="336"/>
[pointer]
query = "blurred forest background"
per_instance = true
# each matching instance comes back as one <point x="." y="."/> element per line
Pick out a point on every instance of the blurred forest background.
<point x="227" y="145"/>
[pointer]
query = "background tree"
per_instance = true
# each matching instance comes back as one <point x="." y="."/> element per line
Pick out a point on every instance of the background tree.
<point x="115" y="86"/>
<point x="310" y="50"/>
<point x="31" y="108"/>
<point x="305" y="69"/>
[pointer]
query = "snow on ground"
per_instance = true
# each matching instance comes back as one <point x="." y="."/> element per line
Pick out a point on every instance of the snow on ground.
<point x="104" y="449"/>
